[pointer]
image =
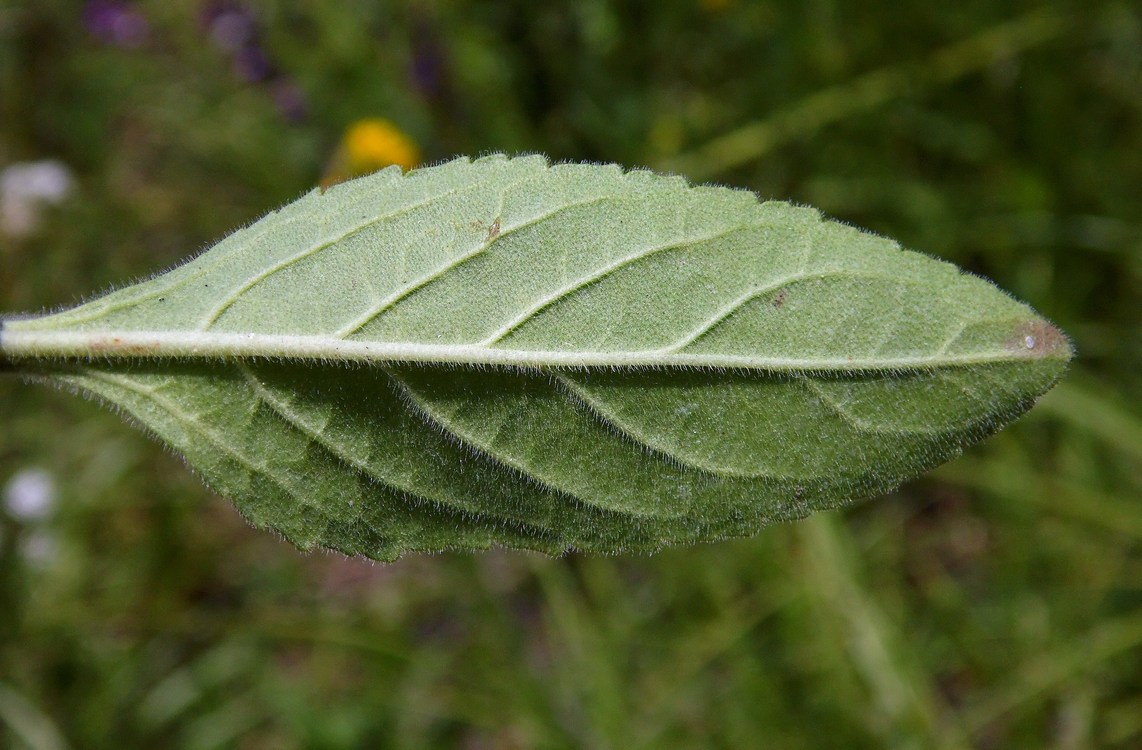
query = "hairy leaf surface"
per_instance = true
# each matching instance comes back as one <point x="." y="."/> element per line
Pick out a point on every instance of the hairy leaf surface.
<point x="550" y="357"/>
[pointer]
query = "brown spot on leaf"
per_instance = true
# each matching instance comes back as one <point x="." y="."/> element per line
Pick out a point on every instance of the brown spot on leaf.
<point x="113" y="345"/>
<point x="493" y="230"/>
<point x="1038" y="338"/>
<point x="779" y="300"/>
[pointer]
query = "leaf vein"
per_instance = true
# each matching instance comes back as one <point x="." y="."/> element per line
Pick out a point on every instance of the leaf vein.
<point x="598" y="410"/>
<point x="194" y="423"/>
<point x="517" y="467"/>
<point x="237" y="292"/>
<point x="601" y="274"/>
<point x="363" y="468"/>
<point x="439" y="272"/>
<point x="737" y="304"/>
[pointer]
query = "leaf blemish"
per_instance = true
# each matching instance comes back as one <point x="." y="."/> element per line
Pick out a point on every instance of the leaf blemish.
<point x="116" y="345"/>
<point x="493" y="230"/>
<point x="1038" y="338"/>
<point x="779" y="300"/>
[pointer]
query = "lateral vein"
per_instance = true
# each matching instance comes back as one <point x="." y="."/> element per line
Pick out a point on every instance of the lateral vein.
<point x="365" y="318"/>
<point x="602" y="273"/>
<point x="236" y="293"/>
<point x="598" y="409"/>
<point x="192" y="422"/>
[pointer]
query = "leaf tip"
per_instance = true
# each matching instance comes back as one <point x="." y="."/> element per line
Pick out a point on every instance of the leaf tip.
<point x="1039" y="339"/>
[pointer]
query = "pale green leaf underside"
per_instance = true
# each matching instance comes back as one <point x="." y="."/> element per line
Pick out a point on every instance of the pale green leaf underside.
<point x="504" y="351"/>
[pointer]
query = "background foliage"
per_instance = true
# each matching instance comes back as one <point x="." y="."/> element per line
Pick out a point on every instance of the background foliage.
<point x="997" y="603"/>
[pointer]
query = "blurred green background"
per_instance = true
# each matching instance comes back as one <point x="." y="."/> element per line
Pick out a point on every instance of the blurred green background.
<point x="994" y="604"/>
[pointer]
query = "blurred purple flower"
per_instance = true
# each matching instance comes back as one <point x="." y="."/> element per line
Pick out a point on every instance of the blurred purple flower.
<point x="251" y="64"/>
<point x="426" y="69"/>
<point x="231" y="28"/>
<point x="115" y="22"/>
<point x="289" y="99"/>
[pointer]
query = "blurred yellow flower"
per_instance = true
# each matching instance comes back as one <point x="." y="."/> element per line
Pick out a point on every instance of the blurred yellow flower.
<point x="368" y="145"/>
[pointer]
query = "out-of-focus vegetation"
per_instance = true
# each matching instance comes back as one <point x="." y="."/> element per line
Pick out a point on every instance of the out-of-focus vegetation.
<point x="995" y="604"/>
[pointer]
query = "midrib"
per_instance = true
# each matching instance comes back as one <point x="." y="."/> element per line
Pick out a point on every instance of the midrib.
<point x="17" y="344"/>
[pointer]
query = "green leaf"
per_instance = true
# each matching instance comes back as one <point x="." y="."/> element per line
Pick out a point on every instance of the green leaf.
<point x="549" y="357"/>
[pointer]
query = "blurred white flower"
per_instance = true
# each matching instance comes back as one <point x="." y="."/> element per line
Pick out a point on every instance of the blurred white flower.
<point x="30" y="495"/>
<point x="25" y="188"/>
